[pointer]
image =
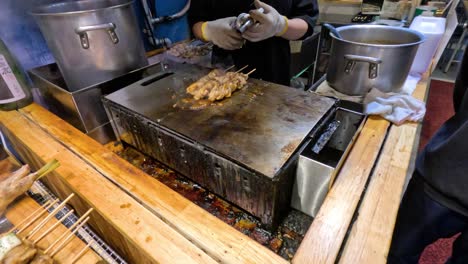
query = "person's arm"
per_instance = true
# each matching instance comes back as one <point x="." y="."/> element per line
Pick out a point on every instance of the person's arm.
<point x="197" y="30"/>
<point x="307" y="11"/>
<point x="198" y="14"/>
<point x="296" y="29"/>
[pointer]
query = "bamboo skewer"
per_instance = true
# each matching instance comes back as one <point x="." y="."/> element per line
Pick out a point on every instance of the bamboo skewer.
<point x="35" y="218"/>
<point x="229" y="68"/>
<point x="50" y="229"/>
<point x="52" y="214"/>
<point x="31" y="215"/>
<point x="241" y="69"/>
<point x="252" y="71"/>
<point x="81" y="253"/>
<point x="71" y="228"/>
<point x="68" y="238"/>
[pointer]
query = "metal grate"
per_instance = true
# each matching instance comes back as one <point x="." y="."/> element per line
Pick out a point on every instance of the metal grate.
<point x="41" y="194"/>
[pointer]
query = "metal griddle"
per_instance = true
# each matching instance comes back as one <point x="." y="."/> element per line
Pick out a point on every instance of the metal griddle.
<point x="245" y="148"/>
<point x="260" y="126"/>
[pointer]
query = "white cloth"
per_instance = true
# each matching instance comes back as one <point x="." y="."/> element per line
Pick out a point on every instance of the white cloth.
<point x="325" y="89"/>
<point x="396" y="108"/>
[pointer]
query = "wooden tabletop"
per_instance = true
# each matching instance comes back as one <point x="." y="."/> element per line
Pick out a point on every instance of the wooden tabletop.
<point x="146" y="220"/>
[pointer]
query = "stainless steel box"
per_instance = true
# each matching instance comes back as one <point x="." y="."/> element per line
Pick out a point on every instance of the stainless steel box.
<point x="316" y="172"/>
<point x="83" y="108"/>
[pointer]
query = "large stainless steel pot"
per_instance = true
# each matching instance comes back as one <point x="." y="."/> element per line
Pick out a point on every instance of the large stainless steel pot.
<point x="92" y="41"/>
<point x="371" y="56"/>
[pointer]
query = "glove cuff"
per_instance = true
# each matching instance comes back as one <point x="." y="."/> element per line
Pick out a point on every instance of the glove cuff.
<point x="285" y="27"/>
<point x="203" y="32"/>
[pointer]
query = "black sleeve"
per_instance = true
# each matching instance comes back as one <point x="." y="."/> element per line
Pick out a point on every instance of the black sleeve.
<point x="306" y="10"/>
<point x="200" y="10"/>
<point x="461" y="85"/>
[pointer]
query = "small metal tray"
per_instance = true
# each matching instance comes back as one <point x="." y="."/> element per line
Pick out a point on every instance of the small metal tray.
<point x="316" y="172"/>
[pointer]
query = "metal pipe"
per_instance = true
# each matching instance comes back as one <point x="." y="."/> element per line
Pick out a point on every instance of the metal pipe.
<point x="177" y="15"/>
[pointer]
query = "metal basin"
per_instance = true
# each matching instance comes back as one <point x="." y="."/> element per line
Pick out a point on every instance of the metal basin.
<point x="372" y="56"/>
<point x="92" y="41"/>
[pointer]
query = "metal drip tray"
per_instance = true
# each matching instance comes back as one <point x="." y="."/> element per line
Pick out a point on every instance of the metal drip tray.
<point x="316" y="171"/>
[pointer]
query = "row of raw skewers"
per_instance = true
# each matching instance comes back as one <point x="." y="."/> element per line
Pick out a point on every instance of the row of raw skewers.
<point x="20" y="244"/>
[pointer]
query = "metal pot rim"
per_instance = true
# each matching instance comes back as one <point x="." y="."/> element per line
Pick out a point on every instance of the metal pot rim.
<point x="420" y="35"/>
<point x="37" y="11"/>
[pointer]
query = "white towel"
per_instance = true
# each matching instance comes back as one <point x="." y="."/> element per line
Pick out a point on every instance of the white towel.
<point x="396" y="108"/>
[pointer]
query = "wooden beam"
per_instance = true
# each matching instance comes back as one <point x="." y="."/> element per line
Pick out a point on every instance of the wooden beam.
<point x="216" y="238"/>
<point x="23" y="207"/>
<point x="123" y="222"/>
<point x="371" y="234"/>
<point x="324" y="238"/>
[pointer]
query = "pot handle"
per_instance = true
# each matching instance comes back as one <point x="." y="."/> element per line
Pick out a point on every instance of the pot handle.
<point x="373" y="64"/>
<point x="82" y="32"/>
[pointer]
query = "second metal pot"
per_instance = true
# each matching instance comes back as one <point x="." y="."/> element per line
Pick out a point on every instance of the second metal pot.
<point x="92" y="41"/>
<point x="371" y="56"/>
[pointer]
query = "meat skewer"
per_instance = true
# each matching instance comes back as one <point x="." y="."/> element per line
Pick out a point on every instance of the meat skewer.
<point x="42" y="258"/>
<point x="52" y="228"/>
<point x="218" y="85"/>
<point x="18" y="182"/>
<point x="23" y="253"/>
<point x="52" y="214"/>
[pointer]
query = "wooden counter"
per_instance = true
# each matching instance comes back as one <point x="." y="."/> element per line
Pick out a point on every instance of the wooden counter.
<point x="148" y="222"/>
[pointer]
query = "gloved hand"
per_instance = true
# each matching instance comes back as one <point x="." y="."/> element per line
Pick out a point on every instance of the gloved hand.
<point x="222" y="33"/>
<point x="269" y="23"/>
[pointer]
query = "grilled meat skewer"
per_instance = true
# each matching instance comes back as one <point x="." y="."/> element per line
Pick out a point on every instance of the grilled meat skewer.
<point x="217" y="85"/>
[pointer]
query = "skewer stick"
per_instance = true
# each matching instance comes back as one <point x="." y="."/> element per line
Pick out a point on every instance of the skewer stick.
<point x="69" y="238"/>
<point x="31" y="215"/>
<point x="229" y="68"/>
<point x="71" y="228"/>
<point x="50" y="229"/>
<point x="241" y="69"/>
<point x="81" y="253"/>
<point x="50" y="216"/>
<point x="252" y="71"/>
<point x="31" y="221"/>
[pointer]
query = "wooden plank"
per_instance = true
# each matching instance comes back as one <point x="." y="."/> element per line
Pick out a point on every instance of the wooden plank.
<point x="122" y="221"/>
<point x="324" y="238"/>
<point x="371" y="234"/>
<point x="23" y="208"/>
<point x="216" y="238"/>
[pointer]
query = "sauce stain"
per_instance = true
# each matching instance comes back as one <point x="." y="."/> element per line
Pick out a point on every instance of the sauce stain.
<point x="126" y="205"/>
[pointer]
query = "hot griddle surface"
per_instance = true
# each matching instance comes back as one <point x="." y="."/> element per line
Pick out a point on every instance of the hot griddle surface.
<point x="260" y="126"/>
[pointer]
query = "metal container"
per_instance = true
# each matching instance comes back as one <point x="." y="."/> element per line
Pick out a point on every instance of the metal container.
<point x="83" y="109"/>
<point x="372" y="56"/>
<point x="92" y="41"/>
<point x="316" y="172"/>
